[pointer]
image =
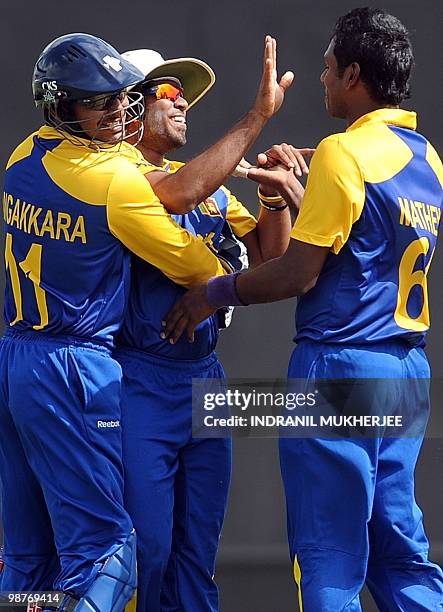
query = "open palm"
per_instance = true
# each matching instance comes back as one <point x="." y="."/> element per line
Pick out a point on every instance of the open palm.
<point x="271" y="92"/>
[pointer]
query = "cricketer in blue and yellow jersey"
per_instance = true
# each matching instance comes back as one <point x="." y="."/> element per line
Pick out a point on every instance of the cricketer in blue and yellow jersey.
<point x="65" y="526"/>
<point x="153" y="293"/>
<point x="374" y="197"/>
<point x="72" y="213"/>
<point x="176" y="485"/>
<point x="90" y="206"/>
<point x="159" y="453"/>
<point x="381" y="224"/>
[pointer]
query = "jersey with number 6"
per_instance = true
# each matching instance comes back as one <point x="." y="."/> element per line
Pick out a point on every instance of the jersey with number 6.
<point x="72" y="214"/>
<point x="374" y="196"/>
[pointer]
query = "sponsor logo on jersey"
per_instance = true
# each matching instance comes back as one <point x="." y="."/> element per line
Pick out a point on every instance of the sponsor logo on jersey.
<point x="108" y="424"/>
<point x="210" y="207"/>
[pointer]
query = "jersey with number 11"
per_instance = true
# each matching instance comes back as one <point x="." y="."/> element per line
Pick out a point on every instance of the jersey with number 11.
<point x="72" y="215"/>
<point x="374" y="196"/>
<point x="66" y="273"/>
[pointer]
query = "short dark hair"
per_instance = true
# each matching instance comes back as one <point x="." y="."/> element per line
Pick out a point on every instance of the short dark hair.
<point x="380" y="44"/>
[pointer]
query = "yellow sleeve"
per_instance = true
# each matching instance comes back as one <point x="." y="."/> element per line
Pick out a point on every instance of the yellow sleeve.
<point x="238" y="216"/>
<point x="334" y="196"/>
<point x="138" y="219"/>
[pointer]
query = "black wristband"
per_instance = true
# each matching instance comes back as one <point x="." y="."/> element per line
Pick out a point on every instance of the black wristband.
<point x="273" y="208"/>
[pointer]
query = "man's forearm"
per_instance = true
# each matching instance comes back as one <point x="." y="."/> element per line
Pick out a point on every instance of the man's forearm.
<point x="200" y="177"/>
<point x="273" y="230"/>
<point x="270" y="282"/>
<point x="274" y="226"/>
<point x="292" y="274"/>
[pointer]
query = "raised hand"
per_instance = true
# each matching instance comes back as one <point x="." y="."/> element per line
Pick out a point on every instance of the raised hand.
<point x="271" y="92"/>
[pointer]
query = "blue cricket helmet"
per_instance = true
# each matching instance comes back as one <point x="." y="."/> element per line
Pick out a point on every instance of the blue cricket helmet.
<point x="77" y="66"/>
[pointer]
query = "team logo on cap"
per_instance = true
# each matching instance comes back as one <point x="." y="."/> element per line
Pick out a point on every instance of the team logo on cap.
<point x="112" y="62"/>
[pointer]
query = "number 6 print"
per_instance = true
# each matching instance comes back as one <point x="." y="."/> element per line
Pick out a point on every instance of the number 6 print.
<point x="408" y="278"/>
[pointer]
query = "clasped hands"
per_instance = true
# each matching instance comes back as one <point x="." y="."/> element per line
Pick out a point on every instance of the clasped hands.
<point x="277" y="171"/>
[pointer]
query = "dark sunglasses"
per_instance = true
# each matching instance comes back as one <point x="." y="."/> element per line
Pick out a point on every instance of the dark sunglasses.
<point x="103" y="102"/>
<point x="163" y="91"/>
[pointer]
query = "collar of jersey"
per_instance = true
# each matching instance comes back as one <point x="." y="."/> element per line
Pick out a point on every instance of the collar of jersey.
<point x="167" y="166"/>
<point x="391" y="116"/>
<point x="47" y="132"/>
<point x="70" y="151"/>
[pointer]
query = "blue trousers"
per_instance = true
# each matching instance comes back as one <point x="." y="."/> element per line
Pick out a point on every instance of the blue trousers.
<point x="176" y="486"/>
<point x="352" y="514"/>
<point x="60" y="467"/>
